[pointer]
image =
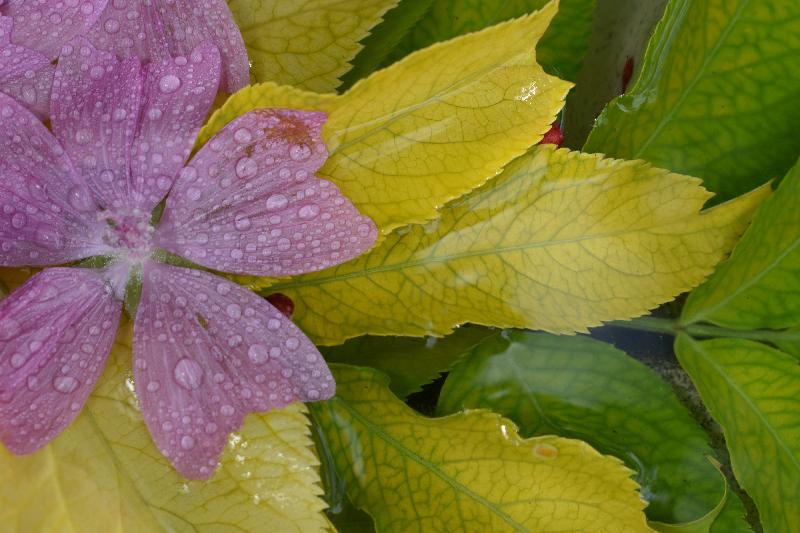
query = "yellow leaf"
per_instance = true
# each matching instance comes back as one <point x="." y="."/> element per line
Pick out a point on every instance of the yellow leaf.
<point x="306" y="43"/>
<point x="561" y="241"/>
<point x="431" y="127"/>
<point x="105" y="474"/>
<point x="467" y="472"/>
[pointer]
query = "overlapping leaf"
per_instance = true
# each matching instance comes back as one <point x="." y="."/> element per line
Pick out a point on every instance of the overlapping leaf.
<point x="409" y="362"/>
<point x="759" y="287"/>
<point x="561" y="50"/>
<point x="581" y="388"/>
<point x="305" y="43"/>
<point x="467" y="472"/>
<point x="753" y="391"/>
<point x="432" y="127"/>
<point x="561" y="241"/>
<point x="105" y="474"/>
<point x="718" y="96"/>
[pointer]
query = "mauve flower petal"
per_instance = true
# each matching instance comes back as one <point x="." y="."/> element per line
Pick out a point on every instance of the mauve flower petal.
<point x="25" y="74"/>
<point x="131" y="28"/>
<point x="56" y="332"/>
<point x="248" y="202"/>
<point x="95" y="110"/>
<point x="47" y="215"/>
<point x="178" y="93"/>
<point x="206" y="353"/>
<point x="174" y="27"/>
<point x="45" y="25"/>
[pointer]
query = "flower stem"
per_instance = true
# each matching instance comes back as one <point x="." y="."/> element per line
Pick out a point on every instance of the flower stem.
<point x="672" y="327"/>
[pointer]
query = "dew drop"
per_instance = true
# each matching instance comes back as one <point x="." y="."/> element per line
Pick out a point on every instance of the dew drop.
<point x="226" y="410"/>
<point x="243" y="136"/>
<point x="111" y="26"/>
<point x="9" y="328"/>
<point x="79" y="199"/>
<point x="246" y="168"/>
<point x="258" y="354"/>
<point x="308" y="212"/>
<point x="65" y="384"/>
<point x="187" y="442"/>
<point x="169" y="83"/>
<point x="153" y="386"/>
<point x="276" y="201"/>
<point x="292" y="343"/>
<point x="300" y="152"/>
<point x="17" y="360"/>
<point x="234" y="311"/>
<point x="18" y="220"/>
<point x="188" y="374"/>
<point x="242" y="223"/>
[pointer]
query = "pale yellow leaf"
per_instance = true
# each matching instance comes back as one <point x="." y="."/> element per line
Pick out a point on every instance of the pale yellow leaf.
<point x="561" y="241"/>
<point x="104" y="474"/>
<point x="469" y="471"/>
<point x="305" y="43"/>
<point x="431" y="127"/>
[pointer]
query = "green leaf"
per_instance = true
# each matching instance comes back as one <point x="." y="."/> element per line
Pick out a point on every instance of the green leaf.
<point x="466" y="472"/>
<point x="561" y="241"/>
<point x="409" y="362"/>
<point x="718" y="95"/>
<point x="753" y="391"/>
<point x="305" y="43"/>
<point x="759" y="286"/>
<point x="561" y="50"/>
<point x="105" y="474"/>
<point x="432" y="127"/>
<point x="384" y="38"/>
<point x="586" y="389"/>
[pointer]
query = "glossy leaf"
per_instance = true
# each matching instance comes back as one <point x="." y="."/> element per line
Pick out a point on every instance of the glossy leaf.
<point x="759" y="287"/>
<point x="409" y="362"/>
<point x="436" y="125"/>
<point x="753" y="391"/>
<point x="561" y="241"/>
<point x="469" y="471"/>
<point x="105" y="474"/>
<point x="718" y="95"/>
<point x="305" y="43"/>
<point x="561" y="50"/>
<point x="586" y="389"/>
<point x="397" y="23"/>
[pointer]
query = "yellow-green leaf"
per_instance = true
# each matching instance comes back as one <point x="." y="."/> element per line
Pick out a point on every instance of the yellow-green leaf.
<point x="306" y="43"/>
<point x="753" y="391"/>
<point x="431" y="127"/>
<point x="105" y="474"/>
<point x="467" y="472"/>
<point x="561" y="241"/>
<point x="759" y="287"/>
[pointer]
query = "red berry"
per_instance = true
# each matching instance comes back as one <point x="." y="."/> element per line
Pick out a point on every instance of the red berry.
<point x="282" y="303"/>
<point x="627" y="74"/>
<point x="553" y="136"/>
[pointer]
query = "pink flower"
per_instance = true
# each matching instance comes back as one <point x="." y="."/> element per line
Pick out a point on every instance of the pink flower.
<point x="32" y="33"/>
<point x="206" y="351"/>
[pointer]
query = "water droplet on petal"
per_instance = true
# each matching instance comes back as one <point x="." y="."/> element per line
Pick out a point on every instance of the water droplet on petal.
<point x="9" y="328"/>
<point x="308" y="212"/>
<point x="169" y="83"/>
<point x="276" y="201"/>
<point x="79" y="199"/>
<point x="188" y="374"/>
<point x="243" y="136"/>
<point x="18" y="220"/>
<point x="17" y="360"/>
<point x="153" y="386"/>
<point x="227" y="410"/>
<point x="258" y="354"/>
<point x="65" y="384"/>
<point x="187" y="442"/>
<point x="246" y="168"/>
<point x="300" y="152"/>
<point x="242" y="223"/>
<point x="234" y="311"/>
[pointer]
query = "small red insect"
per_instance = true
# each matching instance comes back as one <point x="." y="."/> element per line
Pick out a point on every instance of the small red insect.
<point x="627" y="74"/>
<point x="282" y="303"/>
<point x="553" y="136"/>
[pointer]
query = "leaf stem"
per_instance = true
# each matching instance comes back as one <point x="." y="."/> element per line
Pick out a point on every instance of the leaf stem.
<point x="672" y="327"/>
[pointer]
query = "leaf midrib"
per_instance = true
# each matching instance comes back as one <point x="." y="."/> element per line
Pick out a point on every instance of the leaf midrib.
<point x="749" y="402"/>
<point x="404" y="451"/>
<point x="695" y="80"/>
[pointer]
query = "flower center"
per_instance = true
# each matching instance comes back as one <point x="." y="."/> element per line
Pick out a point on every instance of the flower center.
<point x="131" y="233"/>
